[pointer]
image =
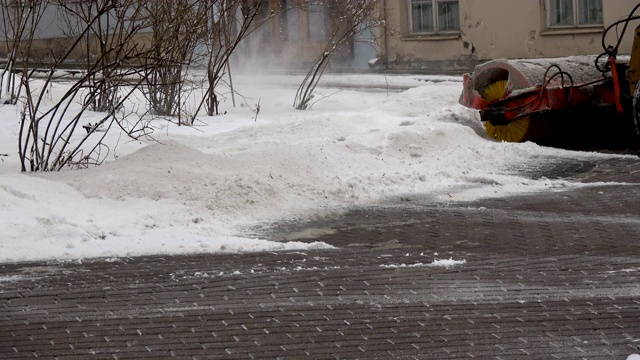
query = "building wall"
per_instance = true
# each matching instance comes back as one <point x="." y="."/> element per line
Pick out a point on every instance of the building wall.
<point x="491" y="29"/>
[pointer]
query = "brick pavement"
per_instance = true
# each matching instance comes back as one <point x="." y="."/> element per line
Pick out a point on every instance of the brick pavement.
<point x="553" y="275"/>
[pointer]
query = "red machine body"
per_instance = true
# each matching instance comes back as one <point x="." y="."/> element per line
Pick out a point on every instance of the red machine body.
<point x="536" y="86"/>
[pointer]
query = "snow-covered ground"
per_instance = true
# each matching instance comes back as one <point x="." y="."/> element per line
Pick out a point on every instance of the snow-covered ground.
<point x="194" y="189"/>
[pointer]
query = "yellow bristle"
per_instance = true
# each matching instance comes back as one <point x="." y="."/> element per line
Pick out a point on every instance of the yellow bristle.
<point x="495" y="91"/>
<point x="515" y="130"/>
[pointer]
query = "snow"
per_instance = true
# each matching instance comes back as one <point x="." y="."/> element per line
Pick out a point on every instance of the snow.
<point x="447" y="263"/>
<point x="198" y="189"/>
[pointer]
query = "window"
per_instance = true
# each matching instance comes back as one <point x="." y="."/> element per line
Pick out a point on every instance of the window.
<point x="435" y="16"/>
<point x="290" y="30"/>
<point x="574" y="13"/>
<point x="316" y="22"/>
<point x="264" y="16"/>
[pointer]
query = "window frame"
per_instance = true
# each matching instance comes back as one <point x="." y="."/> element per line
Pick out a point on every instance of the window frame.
<point x="576" y="18"/>
<point x="436" y="25"/>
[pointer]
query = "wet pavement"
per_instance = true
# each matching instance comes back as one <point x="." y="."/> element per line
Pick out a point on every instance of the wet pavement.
<point x="554" y="275"/>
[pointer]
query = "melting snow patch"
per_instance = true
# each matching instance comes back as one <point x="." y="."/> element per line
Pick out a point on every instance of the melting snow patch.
<point x="12" y="278"/>
<point x="202" y="274"/>
<point x="300" y="268"/>
<point x="623" y="271"/>
<point x="446" y="263"/>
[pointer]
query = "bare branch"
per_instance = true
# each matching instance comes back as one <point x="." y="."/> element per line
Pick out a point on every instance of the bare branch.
<point x="350" y="18"/>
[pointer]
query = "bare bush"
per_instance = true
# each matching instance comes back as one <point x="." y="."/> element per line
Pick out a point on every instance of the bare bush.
<point x="350" y="18"/>
<point x="230" y="22"/>
<point x="51" y="135"/>
<point x="129" y="47"/>
<point x="108" y="31"/>
<point x="19" y="22"/>
<point x="176" y="26"/>
<point x="187" y="33"/>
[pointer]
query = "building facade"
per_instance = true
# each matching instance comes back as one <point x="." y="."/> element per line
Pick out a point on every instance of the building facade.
<point x="455" y="35"/>
<point x="436" y="36"/>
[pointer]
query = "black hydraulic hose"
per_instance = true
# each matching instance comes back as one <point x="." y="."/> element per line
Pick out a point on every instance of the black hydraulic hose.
<point x="546" y="80"/>
<point x="613" y="50"/>
<point x="626" y="21"/>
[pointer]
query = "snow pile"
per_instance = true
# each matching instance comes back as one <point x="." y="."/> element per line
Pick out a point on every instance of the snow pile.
<point x="193" y="189"/>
